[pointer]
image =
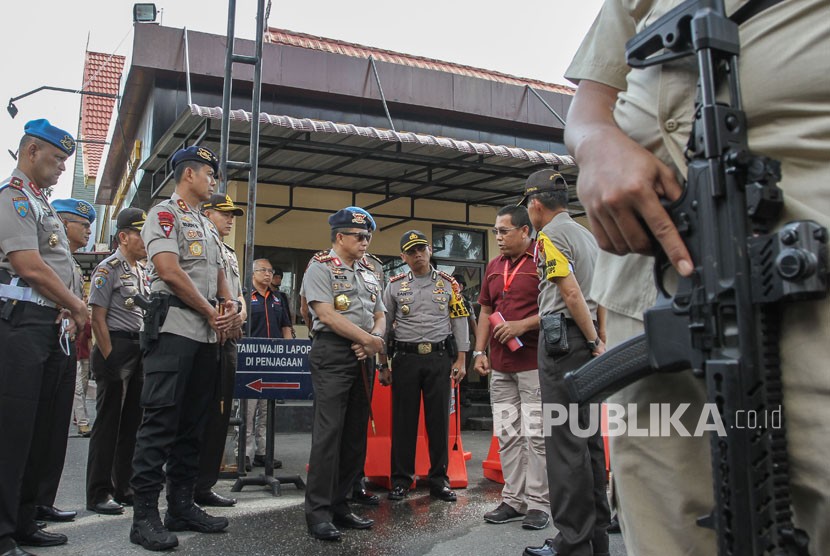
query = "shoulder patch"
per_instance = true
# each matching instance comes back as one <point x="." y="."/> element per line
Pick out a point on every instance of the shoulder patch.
<point x="166" y="220"/>
<point x="99" y="281"/>
<point x="397" y="277"/>
<point x="21" y="205"/>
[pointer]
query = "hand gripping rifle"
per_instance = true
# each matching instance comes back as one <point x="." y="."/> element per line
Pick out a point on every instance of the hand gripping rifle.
<point x="723" y="321"/>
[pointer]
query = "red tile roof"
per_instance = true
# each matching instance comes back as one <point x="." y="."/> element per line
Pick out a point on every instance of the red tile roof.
<point x="302" y="40"/>
<point x="102" y="73"/>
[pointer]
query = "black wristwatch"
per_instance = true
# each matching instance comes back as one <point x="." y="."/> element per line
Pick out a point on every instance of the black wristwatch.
<point x="594" y="344"/>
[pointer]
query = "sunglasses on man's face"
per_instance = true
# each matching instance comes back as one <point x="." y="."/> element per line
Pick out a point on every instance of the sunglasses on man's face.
<point x="83" y="223"/>
<point x="361" y="236"/>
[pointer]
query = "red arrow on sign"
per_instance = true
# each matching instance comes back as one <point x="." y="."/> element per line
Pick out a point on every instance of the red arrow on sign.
<point x="259" y="386"/>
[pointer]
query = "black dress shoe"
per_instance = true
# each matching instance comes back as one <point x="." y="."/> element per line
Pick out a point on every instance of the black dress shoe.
<point x="16" y="551"/>
<point x="213" y="499"/>
<point x="41" y="538"/>
<point x="107" y="507"/>
<point x="544" y="550"/>
<point x="325" y="531"/>
<point x="352" y="521"/>
<point x="444" y="493"/>
<point x="259" y="461"/>
<point x="124" y="499"/>
<point x="398" y="493"/>
<point x="363" y="496"/>
<point x="51" y="513"/>
<point x="614" y="525"/>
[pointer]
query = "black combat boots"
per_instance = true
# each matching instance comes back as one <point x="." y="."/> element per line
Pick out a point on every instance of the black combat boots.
<point x="147" y="529"/>
<point x="184" y="515"/>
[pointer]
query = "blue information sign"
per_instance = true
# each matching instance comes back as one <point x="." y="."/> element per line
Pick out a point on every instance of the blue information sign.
<point x="269" y="368"/>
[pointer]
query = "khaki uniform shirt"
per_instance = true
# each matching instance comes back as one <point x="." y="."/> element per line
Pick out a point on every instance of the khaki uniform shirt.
<point x="114" y="286"/>
<point x="173" y="227"/>
<point x="231" y="265"/>
<point x="656" y="105"/>
<point x="565" y="247"/>
<point x="28" y="222"/>
<point x="426" y="309"/>
<point x="354" y="292"/>
<point x="77" y="280"/>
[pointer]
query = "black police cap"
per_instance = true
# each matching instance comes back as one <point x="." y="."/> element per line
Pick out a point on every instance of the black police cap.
<point x="412" y="238"/>
<point x="131" y="219"/>
<point x="197" y="154"/>
<point x="542" y="181"/>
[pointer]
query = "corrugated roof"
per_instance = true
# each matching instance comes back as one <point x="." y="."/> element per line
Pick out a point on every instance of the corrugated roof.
<point x="387" y="135"/>
<point x="302" y="40"/>
<point x="102" y="73"/>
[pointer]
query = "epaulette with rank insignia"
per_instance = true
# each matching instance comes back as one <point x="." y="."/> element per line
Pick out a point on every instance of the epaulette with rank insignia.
<point x="113" y="263"/>
<point x="322" y="256"/>
<point x="447" y="277"/>
<point x="370" y="260"/>
<point x="397" y="277"/>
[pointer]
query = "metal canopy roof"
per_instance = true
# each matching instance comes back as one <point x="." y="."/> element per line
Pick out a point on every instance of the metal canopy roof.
<point x="331" y="156"/>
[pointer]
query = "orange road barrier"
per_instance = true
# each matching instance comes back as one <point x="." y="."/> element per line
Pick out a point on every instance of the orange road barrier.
<point x="378" y="466"/>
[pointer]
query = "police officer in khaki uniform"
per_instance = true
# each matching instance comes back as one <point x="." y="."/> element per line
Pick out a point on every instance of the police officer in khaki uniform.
<point x="181" y="366"/>
<point x="428" y="318"/>
<point x="565" y="257"/>
<point x="38" y="315"/>
<point x="344" y="299"/>
<point x="77" y="217"/>
<point x="221" y="211"/>
<point x="116" y="366"/>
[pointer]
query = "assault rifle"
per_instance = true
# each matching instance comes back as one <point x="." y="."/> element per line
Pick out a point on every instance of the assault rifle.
<point x="723" y="321"/>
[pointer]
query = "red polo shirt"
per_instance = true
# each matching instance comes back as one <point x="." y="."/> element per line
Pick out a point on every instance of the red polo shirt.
<point x="518" y="302"/>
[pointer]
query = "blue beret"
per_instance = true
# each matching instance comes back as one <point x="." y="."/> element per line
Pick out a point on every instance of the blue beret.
<point x="352" y="217"/>
<point x="197" y="153"/>
<point x="76" y="207"/>
<point x="366" y="212"/>
<point x="45" y="131"/>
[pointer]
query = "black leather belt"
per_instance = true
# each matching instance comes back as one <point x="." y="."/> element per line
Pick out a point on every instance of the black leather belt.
<point x="174" y="301"/>
<point x="330" y="336"/>
<point x="572" y="322"/>
<point x="124" y="334"/>
<point x="421" y="348"/>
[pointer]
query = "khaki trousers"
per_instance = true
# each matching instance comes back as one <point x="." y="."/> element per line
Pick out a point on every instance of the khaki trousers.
<point x="517" y="405"/>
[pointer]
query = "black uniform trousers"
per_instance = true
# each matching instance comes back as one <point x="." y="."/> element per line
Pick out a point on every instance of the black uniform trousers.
<point x="64" y="401"/>
<point x="413" y="374"/>
<point x="216" y="430"/>
<point x="576" y="466"/>
<point x="119" y="379"/>
<point x="338" y="437"/>
<point x="180" y="377"/>
<point x="31" y="368"/>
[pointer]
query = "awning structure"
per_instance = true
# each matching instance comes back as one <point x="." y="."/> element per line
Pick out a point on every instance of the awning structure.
<point x="326" y="155"/>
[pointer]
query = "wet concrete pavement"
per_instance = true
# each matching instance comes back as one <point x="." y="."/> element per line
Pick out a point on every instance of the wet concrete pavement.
<point x="262" y="524"/>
